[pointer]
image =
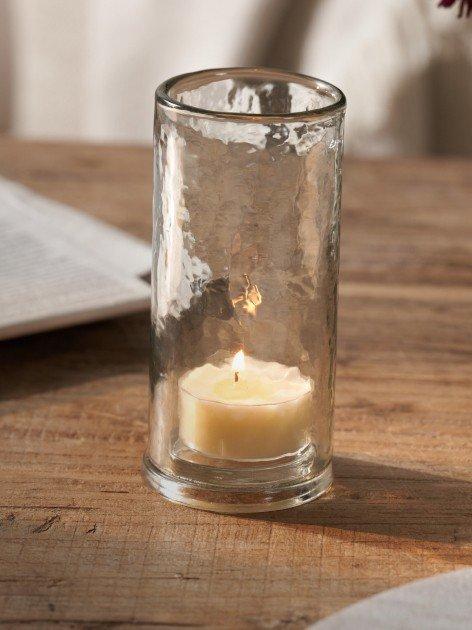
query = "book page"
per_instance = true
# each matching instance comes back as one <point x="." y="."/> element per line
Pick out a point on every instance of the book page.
<point x="49" y="280"/>
<point x="122" y="250"/>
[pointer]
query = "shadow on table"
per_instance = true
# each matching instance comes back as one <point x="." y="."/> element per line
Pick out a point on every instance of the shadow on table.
<point x="62" y="358"/>
<point x="388" y="500"/>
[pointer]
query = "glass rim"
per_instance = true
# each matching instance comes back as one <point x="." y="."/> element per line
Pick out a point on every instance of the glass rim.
<point x="319" y="85"/>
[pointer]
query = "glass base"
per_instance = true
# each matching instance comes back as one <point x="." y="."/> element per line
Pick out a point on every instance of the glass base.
<point x="231" y="498"/>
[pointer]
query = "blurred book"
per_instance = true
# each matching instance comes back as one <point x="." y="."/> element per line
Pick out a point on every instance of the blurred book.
<point x="60" y="267"/>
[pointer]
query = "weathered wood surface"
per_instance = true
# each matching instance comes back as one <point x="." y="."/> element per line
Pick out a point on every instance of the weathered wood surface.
<point x="85" y="544"/>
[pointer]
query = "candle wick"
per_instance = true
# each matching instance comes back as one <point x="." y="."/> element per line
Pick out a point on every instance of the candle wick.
<point x="236" y="377"/>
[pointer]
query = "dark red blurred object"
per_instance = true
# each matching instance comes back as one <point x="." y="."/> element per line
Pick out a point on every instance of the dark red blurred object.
<point x="465" y="6"/>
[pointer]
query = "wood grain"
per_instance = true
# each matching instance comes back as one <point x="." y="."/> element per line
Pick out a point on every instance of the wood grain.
<point x="84" y="544"/>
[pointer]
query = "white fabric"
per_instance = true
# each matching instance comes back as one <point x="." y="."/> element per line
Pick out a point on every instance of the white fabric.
<point x="442" y="602"/>
<point x="87" y="69"/>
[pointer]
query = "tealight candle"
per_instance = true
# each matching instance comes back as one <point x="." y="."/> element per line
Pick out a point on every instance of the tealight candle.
<point x="245" y="410"/>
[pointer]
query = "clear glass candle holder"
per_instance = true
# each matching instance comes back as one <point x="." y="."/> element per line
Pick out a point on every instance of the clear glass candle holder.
<point x="244" y="288"/>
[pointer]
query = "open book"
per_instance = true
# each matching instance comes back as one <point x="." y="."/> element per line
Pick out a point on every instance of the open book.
<point x="60" y="267"/>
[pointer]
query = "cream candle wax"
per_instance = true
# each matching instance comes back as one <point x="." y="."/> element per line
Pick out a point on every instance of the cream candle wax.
<point x="245" y="410"/>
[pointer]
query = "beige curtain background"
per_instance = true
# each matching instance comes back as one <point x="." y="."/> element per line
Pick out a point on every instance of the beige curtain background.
<point x="87" y="69"/>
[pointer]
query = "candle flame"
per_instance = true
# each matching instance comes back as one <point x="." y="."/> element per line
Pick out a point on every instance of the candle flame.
<point x="238" y="362"/>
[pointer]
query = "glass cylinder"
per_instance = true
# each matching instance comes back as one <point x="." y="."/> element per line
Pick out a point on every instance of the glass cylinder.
<point x="244" y="288"/>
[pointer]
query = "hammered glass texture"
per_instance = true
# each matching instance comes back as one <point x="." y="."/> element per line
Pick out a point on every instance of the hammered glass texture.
<point x="239" y="202"/>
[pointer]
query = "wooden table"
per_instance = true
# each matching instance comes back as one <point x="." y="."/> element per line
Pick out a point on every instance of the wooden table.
<point x="85" y="544"/>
